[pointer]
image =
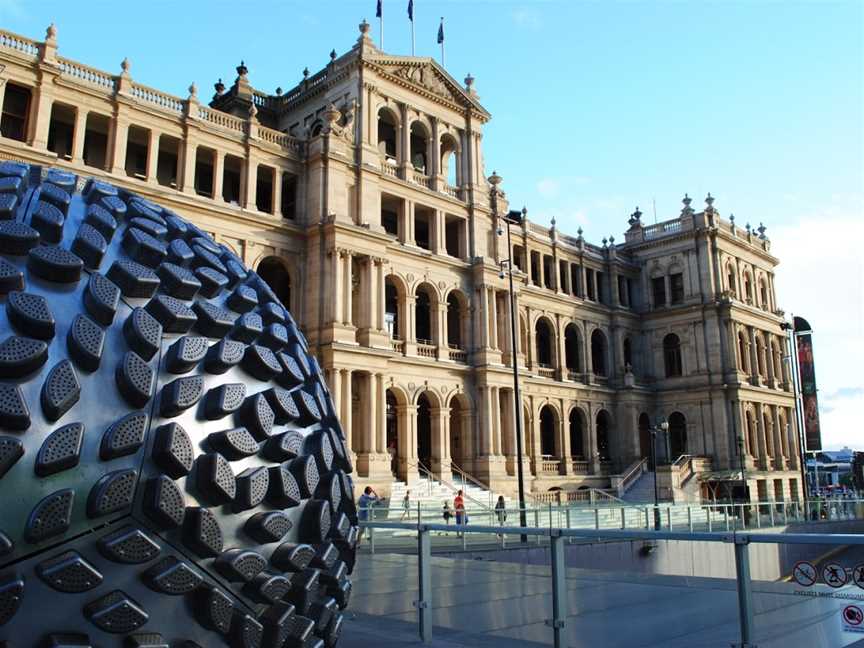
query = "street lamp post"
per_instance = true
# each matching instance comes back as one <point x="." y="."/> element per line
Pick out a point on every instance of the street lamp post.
<point x="662" y="426"/>
<point x="495" y="180"/>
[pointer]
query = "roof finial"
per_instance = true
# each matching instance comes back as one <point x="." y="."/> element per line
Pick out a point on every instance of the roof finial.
<point x="495" y="179"/>
<point x="469" y="81"/>
<point x="219" y="86"/>
<point x="125" y="65"/>
<point x="761" y="229"/>
<point x="579" y="232"/>
<point x="332" y="55"/>
<point x="193" y="91"/>
<point x="364" y="29"/>
<point x="709" y="200"/>
<point x="242" y="70"/>
<point x="51" y="32"/>
<point x="305" y="73"/>
<point x="524" y="213"/>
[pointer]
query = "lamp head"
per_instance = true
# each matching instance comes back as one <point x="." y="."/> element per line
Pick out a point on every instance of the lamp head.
<point x="500" y="231"/>
<point x="501" y="275"/>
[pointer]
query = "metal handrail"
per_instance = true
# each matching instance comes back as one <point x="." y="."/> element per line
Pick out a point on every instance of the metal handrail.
<point x="637" y="467"/>
<point x="468" y="477"/>
<point x="427" y="472"/>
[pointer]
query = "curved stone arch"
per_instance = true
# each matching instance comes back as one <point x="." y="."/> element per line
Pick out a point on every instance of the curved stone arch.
<point x="423" y="120"/>
<point x="233" y="249"/>
<point x="400" y="392"/>
<point x="607" y="359"/>
<point x="730" y="269"/>
<point x="432" y="396"/>
<point x="450" y="137"/>
<point x="399" y="282"/>
<point x="393" y="112"/>
<point x="316" y="128"/>
<point x="657" y="269"/>
<point x="553" y="403"/>
<point x="435" y="293"/>
<point x="280" y="265"/>
<point x="576" y="405"/>
<point x="462" y="397"/>
<point x="460" y="295"/>
<point x="553" y="340"/>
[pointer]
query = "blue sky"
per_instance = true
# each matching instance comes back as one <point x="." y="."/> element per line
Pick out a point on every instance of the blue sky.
<point x="597" y="107"/>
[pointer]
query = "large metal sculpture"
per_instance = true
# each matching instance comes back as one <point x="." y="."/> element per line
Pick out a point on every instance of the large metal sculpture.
<point x="172" y="472"/>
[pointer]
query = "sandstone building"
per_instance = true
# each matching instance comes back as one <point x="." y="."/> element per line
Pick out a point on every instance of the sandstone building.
<point x="362" y="196"/>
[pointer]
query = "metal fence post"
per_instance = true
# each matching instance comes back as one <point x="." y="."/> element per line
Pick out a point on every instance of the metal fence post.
<point x="623" y="518"/>
<point x="372" y="540"/>
<point x="550" y="514"/>
<point x="745" y="592"/>
<point x="690" y="519"/>
<point x="669" y="517"/>
<point x="771" y="509"/>
<point x="647" y="524"/>
<point x="537" y="521"/>
<point x="559" y="591"/>
<point x="726" y="514"/>
<point x="785" y="513"/>
<point x="424" y="582"/>
<point x="710" y="516"/>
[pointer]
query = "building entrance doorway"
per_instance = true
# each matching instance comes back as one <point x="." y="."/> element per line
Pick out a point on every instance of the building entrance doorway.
<point x="424" y="431"/>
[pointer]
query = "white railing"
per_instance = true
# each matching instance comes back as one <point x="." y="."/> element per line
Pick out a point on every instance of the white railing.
<point x="426" y="349"/>
<point x="550" y="466"/>
<point x="579" y="467"/>
<point x="470" y="479"/>
<point x="157" y="98"/>
<point x="389" y="167"/>
<point x="660" y="229"/>
<point x="222" y="119"/>
<point x="622" y="483"/>
<point x="80" y="72"/>
<point x="457" y="354"/>
<point x="451" y="191"/>
<point x="398" y="346"/>
<point x="25" y="46"/>
<point x="279" y="138"/>
<point x="422" y="179"/>
<point x="546" y="372"/>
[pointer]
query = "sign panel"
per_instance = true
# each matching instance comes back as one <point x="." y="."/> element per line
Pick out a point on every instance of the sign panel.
<point x="807" y="376"/>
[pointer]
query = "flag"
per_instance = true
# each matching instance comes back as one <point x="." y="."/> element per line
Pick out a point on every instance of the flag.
<point x="441" y="32"/>
<point x="378" y="10"/>
<point x="411" y="10"/>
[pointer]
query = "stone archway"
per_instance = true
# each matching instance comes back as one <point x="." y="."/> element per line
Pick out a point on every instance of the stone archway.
<point x="274" y="272"/>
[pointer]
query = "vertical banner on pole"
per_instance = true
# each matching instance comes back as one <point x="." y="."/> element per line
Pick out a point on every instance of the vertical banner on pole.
<point x="807" y="376"/>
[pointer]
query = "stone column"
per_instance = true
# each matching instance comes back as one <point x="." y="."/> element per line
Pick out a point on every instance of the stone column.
<point x="497" y="446"/>
<point x="754" y="360"/>
<point x="405" y="138"/>
<point x="3" y="94"/>
<point x="564" y="445"/>
<point x="346" y="259"/>
<point x="119" y="133"/>
<point x="250" y="182"/>
<point x="189" y="154"/>
<point x="152" y="156"/>
<point x="277" y="192"/>
<point x="561" y="364"/>
<point x="439" y="332"/>
<point x="781" y="446"/>
<point x="440" y="442"/>
<point x="218" y="175"/>
<point x="484" y="308"/>
<point x="346" y="408"/>
<point x="382" y="300"/>
<point x="380" y="413"/>
<point x="594" y="453"/>
<point x="335" y="301"/>
<point x="434" y="169"/>
<point x="370" y="440"/>
<point x="493" y="320"/>
<point x="79" y="135"/>
<point x="761" y="437"/>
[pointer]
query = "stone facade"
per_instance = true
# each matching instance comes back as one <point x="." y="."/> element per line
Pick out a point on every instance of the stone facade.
<point x="361" y="196"/>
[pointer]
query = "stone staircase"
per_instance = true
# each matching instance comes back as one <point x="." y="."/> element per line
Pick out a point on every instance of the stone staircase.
<point x="642" y="490"/>
<point x="431" y="494"/>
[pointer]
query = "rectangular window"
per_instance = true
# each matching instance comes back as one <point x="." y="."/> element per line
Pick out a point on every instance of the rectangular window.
<point x="548" y="272"/>
<point x="390" y="221"/>
<point x="289" y="195"/>
<point x="601" y="288"/>
<point x="535" y="268"/>
<point x="454" y="238"/>
<point x="96" y="140"/>
<point x="676" y="287"/>
<point x="623" y="291"/>
<point x="658" y="290"/>
<point x="16" y="107"/>
<point x="589" y="284"/>
<point x="575" y="272"/>
<point x="422" y="227"/>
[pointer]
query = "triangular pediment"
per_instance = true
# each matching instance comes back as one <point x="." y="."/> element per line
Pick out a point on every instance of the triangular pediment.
<point x="427" y="75"/>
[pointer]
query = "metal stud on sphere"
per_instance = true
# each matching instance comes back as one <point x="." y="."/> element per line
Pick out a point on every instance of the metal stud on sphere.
<point x="168" y="475"/>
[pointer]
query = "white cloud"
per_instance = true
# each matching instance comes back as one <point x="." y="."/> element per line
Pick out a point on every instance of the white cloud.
<point x="821" y="278"/>
<point x="527" y="18"/>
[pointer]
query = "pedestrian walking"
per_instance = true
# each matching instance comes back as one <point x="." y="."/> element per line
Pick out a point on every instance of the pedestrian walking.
<point x="448" y="513"/>
<point x="406" y="506"/>
<point x="501" y="510"/>
<point x="367" y="500"/>
<point x="459" y="508"/>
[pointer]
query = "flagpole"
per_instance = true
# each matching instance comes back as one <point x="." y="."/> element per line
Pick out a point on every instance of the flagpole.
<point x="443" y="63"/>
<point x="381" y="22"/>
<point x="412" y="36"/>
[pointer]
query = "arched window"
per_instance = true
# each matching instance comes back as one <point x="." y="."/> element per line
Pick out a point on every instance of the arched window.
<point x="450" y="160"/>
<point x="317" y="127"/>
<point x="763" y="295"/>
<point x="730" y="280"/>
<point x="392" y="429"/>
<point x="391" y="310"/>
<point x="544" y="339"/>
<point x="751" y="433"/>
<point x="571" y="348"/>
<point x="272" y="271"/>
<point x="547" y="431"/>
<point x="387" y="129"/>
<point x="598" y="353"/>
<point x="761" y="365"/>
<point x="645" y="437"/>
<point x="423" y="317"/>
<point x="677" y="435"/>
<point x="672" y="355"/>
<point x="743" y="352"/>
<point x="419" y="146"/>
<point x="424" y="430"/>
<point x="577" y="434"/>
<point x="603" y="424"/>
<point x="769" y="434"/>
<point x="454" y="321"/>
<point x="748" y="288"/>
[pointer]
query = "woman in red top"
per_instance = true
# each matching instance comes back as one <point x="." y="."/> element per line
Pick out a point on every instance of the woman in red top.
<point x="459" y="508"/>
